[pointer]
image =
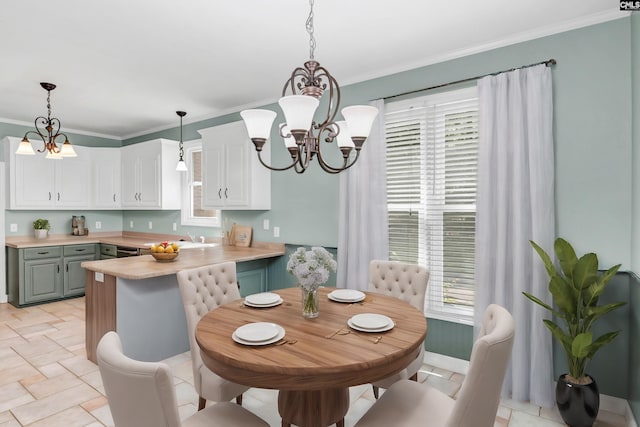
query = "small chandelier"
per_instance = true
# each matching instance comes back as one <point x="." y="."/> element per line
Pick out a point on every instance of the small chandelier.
<point x="302" y="135"/>
<point x="49" y="139"/>
<point x="181" y="166"/>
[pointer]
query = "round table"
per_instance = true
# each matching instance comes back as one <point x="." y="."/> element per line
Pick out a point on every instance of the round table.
<point x="318" y="359"/>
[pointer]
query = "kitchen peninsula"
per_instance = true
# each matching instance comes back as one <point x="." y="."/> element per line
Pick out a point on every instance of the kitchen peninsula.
<point x="139" y="298"/>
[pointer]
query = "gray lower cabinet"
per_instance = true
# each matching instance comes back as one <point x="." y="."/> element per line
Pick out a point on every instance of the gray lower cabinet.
<point x="46" y="273"/>
<point x="252" y="276"/>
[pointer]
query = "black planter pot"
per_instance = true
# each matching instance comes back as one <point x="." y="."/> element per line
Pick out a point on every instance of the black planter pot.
<point x="578" y="404"/>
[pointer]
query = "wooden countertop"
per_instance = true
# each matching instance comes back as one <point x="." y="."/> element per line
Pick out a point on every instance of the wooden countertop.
<point x="145" y="266"/>
<point x="130" y="239"/>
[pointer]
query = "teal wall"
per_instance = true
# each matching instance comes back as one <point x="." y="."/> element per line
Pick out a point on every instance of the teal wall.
<point x="61" y="221"/>
<point x="596" y="140"/>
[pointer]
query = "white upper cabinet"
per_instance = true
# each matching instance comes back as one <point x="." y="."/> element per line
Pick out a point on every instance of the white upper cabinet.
<point x="36" y="182"/>
<point x="149" y="176"/>
<point x="106" y="169"/>
<point x="232" y="175"/>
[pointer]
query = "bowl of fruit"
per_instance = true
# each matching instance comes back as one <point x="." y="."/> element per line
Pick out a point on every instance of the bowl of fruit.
<point x="165" y="251"/>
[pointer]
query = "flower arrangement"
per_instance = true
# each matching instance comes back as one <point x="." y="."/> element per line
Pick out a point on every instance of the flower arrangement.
<point x="311" y="269"/>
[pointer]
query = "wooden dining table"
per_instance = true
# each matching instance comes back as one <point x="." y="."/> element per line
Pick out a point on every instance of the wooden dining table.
<point x="318" y="359"/>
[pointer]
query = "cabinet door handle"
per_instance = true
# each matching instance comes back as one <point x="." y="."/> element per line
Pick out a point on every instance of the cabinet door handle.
<point x="140" y="196"/>
<point x="67" y="268"/>
<point x="219" y="193"/>
<point x="225" y="193"/>
<point x="49" y="195"/>
<point x="135" y="196"/>
<point x="43" y="253"/>
<point x="58" y="268"/>
<point x="114" y="197"/>
<point x="58" y="196"/>
<point x="80" y="250"/>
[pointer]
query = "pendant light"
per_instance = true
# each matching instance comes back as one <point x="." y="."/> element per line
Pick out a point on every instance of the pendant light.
<point x="182" y="165"/>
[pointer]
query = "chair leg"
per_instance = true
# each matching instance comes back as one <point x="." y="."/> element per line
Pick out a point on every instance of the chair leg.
<point x="414" y="377"/>
<point x="201" y="402"/>
<point x="239" y="399"/>
<point x="340" y="423"/>
<point x="283" y="424"/>
<point x="376" y="391"/>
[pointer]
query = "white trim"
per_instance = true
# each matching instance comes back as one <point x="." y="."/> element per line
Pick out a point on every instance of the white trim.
<point x="4" y="297"/>
<point x="66" y="129"/>
<point x="615" y="405"/>
<point x="574" y="24"/>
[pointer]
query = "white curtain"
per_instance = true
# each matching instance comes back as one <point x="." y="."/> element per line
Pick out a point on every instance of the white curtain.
<point x="362" y="222"/>
<point x="515" y="204"/>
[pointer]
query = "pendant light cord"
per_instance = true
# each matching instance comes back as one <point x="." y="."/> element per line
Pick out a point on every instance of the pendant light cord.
<point x="309" y="25"/>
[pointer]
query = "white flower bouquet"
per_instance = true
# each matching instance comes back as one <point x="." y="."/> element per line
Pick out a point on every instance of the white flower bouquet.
<point x="311" y="269"/>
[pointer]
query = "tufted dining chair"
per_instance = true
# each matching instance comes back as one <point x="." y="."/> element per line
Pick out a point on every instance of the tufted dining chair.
<point x="408" y="404"/>
<point x="204" y="289"/>
<point x="142" y="394"/>
<point x="407" y="282"/>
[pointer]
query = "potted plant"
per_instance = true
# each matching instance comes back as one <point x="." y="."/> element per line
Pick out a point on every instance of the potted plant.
<point x="575" y="288"/>
<point x="41" y="227"/>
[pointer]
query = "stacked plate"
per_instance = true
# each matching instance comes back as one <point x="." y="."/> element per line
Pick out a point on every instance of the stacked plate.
<point x="259" y="333"/>
<point x="264" y="299"/>
<point x="370" y="322"/>
<point x="346" y="295"/>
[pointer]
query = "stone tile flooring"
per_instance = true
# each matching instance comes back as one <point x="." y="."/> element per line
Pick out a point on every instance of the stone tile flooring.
<point x="46" y="380"/>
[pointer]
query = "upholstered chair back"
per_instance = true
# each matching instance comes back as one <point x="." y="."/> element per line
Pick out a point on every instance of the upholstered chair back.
<point x="404" y="281"/>
<point x="479" y="397"/>
<point x="204" y="289"/>
<point x="141" y="394"/>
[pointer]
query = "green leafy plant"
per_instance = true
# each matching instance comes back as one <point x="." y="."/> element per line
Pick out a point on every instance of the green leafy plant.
<point x="41" y="224"/>
<point x="575" y="288"/>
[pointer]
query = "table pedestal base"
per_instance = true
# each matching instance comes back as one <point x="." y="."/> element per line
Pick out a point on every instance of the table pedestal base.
<point x="317" y="408"/>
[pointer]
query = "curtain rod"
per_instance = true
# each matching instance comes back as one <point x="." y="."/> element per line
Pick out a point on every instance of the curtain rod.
<point x="548" y="63"/>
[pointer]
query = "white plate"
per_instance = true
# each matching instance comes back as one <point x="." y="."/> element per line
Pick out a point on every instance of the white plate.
<point x="263" y="298"/>
<point x="346" y="295"/>
<point x="277" y="338"/>
<point x="383" y="329"/>
<point x="258" y="332"/>
<point x="273" y="304"/>
<point x="371" y="321"/>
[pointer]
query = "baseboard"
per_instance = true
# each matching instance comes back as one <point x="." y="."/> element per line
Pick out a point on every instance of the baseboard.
<point x="446" y="362"/>
<point x="611" y="404"/>
<point x="3" y="299"/>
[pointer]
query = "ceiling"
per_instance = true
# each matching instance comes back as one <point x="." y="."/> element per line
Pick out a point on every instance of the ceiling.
<point x="124" y="67"/>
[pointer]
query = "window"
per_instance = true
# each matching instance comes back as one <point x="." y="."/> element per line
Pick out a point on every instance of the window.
<point x="432" y="151"/>
<point x="192" y="211"/>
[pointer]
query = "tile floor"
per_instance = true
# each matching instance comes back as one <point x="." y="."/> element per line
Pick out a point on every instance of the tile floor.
<point x="46" y="380"/>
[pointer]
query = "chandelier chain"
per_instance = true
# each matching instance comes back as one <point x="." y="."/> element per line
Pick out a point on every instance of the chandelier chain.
<point x="309" y="25"/>
<point x="49" y="105"/>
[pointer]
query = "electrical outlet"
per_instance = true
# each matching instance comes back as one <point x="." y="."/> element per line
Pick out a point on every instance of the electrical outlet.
<point x="98" y="225"/>
<point x="14" y="228"/>
<point x="130" y="224"/>
<point x="175" y="226"/>
<point x="276" y="231"/>
<point x="265" y="224"/>
<point x="150" y="225"/>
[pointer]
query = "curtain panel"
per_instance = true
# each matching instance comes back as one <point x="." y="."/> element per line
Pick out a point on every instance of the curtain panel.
<point x="515" y="204"/>
<point x="362" y="223"/>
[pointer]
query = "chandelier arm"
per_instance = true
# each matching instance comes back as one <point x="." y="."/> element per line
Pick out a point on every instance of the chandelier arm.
<point x="298" y="72"/>
<point x="334" y="94"/>
<point x="295" y="162"/>
<point x="55" y="122"/>
<point x="332" y="169"/>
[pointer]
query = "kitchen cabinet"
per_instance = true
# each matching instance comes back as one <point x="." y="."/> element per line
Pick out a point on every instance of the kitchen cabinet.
<point x="47" y="273"/>
<point x="106" y="174"/>
<point x="252" y="276"/>
<point x="36" y="182"/>
<point x="108" y="251"/>
<point x="149" y="176"/>
<point x="232" y="176"/>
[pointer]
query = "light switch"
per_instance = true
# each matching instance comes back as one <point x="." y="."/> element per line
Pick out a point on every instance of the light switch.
<point x="265" y="224"/>
<point x="130" y="224"/>
<point x="150" y="225"/>
<point x="276" y="231"/>
<point x="175" y="226"/>
<point x="98" y="225"/>
<point x="99" y="277"/>
<point x="14" y="228"/>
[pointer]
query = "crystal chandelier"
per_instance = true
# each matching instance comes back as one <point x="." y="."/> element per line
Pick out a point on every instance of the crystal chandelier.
<point x="302" y="135"/>
<point x="181" y="166"/>
<point x="49" y="138"/>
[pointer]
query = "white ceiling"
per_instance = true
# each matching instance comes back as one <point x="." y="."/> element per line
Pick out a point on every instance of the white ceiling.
<point x="123" y="67"/>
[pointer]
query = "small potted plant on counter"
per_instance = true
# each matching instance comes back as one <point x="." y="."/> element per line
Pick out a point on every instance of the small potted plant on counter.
<point x="41" y="228"/>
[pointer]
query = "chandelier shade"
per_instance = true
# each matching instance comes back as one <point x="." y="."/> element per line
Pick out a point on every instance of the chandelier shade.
<point x="304" y="137"/>
<point x="48" y="134"/>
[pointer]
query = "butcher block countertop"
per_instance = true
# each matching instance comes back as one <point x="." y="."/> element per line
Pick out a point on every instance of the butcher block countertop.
<point x="145" y="266"/>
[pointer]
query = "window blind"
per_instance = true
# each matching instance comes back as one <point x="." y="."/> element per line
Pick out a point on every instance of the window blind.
<point x="432" y="149"/>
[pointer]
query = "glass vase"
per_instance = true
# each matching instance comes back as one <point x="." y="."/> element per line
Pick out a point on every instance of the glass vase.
<point x="310" y="303"/>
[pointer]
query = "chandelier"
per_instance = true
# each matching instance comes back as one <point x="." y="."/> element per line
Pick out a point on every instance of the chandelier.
<point x="302" y="135"/>
<point x="181" y="166"/>
<point x="49" y="138"/>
